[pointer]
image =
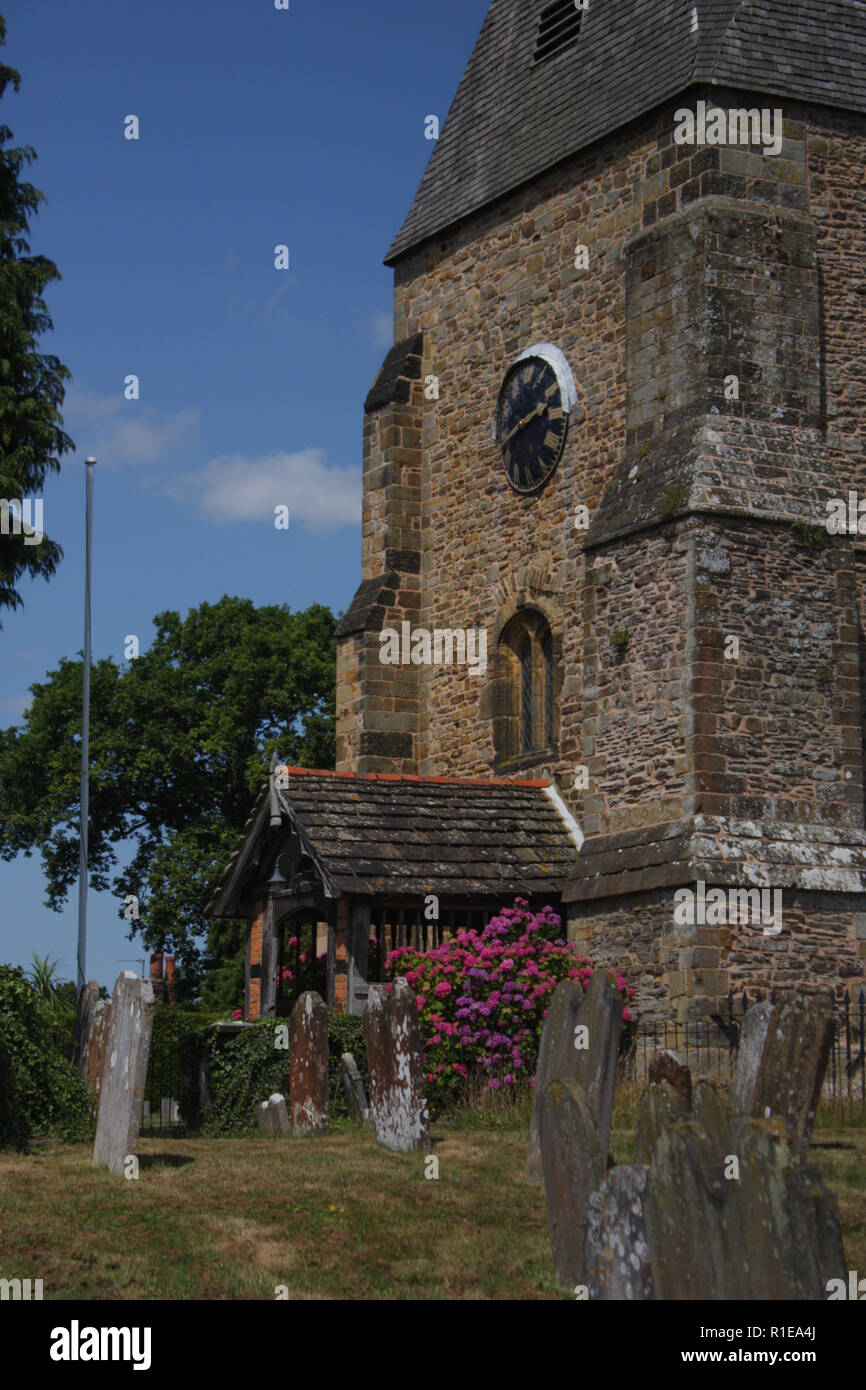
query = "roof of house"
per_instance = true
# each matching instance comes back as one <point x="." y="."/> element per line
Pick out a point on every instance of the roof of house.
<point x="512" y="119"/>
<point x="386" y="835"/>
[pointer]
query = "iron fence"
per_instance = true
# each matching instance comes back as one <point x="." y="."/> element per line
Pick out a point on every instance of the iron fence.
<point x="709" y="1047"/>
<point x="160" y="1107"/>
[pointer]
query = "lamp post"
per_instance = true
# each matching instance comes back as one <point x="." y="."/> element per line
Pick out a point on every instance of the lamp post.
<point x="89" y="464"/>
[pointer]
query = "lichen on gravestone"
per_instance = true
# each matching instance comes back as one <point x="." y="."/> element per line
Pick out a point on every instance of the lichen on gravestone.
<point x="395" y="1068"/>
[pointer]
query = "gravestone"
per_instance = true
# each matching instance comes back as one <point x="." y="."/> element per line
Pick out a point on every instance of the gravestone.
<point x="353" y="1089"/>
<point x="94" y="1059"/>
<point x="714" y="1112"/>
<point x="593" y="1067"/>
<point x="666" y="1066"/>
<point x="88" y="998"/>
<point x="127" y="1049"/>
<point x="659" y="1105"/>
<point x="395" y="1068"/>
<point x="557" y="1060"/>
<point x="794" y="1060"/>
<point x="616" y="1251"/>
<point x="768" y="1231"/>
<point x="573" y="1163"/>
<point x="308" y="1065"/>
<point x="753" y="1035"/>
<point x="273" y="1116"/>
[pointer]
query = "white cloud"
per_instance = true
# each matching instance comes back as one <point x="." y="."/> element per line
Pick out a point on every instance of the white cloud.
<point x="117" y="432"/>
<point x="235" y="488"/>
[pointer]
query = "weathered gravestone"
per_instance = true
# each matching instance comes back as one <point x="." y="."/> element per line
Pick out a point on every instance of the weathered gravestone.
<point x="616" y="1251"/>
<point x="753" y="1035"/>
<point x="794" y="1060"/>
<point x="765" y="1228"/>
<point x="273" y="1116"/>
<point x="666" y="1066"/>
<point x="574" y="1018"/>
<point x="659" y="1105"/>
<point x="714" y="1112"/>
<point x="395" y="1067"/>
<point x="94" y="1059"/>
<point x="88" y="998"/>
<point x="353" y="1089"/>
<point x="573" y="1164"/>
<point x="308" y="1065"/>
<point x="126" y="1052"/>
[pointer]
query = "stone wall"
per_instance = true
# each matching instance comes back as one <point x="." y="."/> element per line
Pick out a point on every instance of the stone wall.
<point x="505" y="278"/>
<point x="703" y="263"/>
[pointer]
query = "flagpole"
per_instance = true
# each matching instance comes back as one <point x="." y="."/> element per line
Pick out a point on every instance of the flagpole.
<point x="85" y="737"/>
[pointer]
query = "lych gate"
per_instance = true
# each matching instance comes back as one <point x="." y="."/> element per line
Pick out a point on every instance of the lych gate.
<point x="361" y="864"/>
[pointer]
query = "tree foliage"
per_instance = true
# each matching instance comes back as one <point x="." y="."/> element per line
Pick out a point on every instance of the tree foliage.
<point x="180" y="742"/>
<point x="31" y="383"/>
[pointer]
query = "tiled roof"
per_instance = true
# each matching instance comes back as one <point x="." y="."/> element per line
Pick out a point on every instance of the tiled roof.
<point x="383" y="834"/>
<point x="511" y="120"/>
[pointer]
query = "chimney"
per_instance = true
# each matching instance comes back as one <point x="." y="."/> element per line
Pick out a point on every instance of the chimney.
<point x="156" y="965"/>
<point x="169" y="968"/>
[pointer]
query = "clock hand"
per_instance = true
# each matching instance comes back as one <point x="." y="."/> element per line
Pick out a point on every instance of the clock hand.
<point x="521" y="424"/>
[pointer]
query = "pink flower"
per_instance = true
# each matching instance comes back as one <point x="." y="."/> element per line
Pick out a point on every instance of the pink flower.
<point x="237" y="1013"/>
<point x="442" y="989"/>
<point x="626" y="1016"/>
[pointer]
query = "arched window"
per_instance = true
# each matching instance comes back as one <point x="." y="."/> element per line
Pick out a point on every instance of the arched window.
<point x="525" y="717"/>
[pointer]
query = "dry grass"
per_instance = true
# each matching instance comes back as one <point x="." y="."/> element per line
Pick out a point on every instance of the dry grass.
<point x="328" y="1218"/>
<point x="335" y="1217"/>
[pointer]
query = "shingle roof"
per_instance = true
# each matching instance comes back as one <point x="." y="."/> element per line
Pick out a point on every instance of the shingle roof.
<point x="511" y="120"/>
<point x="381" y="835"/>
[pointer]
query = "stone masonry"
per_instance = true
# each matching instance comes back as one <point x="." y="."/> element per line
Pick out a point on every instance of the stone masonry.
<point x="706" y="522"/>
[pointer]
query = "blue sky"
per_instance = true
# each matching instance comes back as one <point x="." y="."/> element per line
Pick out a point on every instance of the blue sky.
<point x="258" y="127"/>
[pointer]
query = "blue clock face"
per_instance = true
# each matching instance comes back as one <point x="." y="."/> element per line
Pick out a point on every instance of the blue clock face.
<point x="531" y="424"/>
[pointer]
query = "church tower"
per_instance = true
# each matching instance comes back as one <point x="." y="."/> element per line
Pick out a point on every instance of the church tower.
<point x="626" y="393"/>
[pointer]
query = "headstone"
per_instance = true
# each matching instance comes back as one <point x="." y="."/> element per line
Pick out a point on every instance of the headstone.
<point x="766" y="1228"/>
<point x="557" y="1061"/>
<point x="659" y="1105"/>
<point x="126" y="1052"/>
<point x="714" y="1112"/>
<point x="94" y="1060"/>
<point x="273" y="1116"/>
<point x="573" y="1163"/>
<point x="308" y="1065"/>
<point x="616" y="1249"/>
<point x="395" y="1067"/>
<point x="666" y="1066"/>
<point x="793" y="1062"/>
<point x="88" y="998"/>
<point x="599" y="1011"/>
<point x="753" y="1035"/>
<point x="353" y="1089"/>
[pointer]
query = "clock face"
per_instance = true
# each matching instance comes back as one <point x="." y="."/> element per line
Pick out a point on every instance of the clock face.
<point x="531" y="423"/>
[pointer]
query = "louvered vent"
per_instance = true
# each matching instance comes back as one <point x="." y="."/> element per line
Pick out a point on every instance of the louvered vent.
<point x="558" y="29"/>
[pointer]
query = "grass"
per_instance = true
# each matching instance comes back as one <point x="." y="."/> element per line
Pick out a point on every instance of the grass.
<point x="334" y="1217"/>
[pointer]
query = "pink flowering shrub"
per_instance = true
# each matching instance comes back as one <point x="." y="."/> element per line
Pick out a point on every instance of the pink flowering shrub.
<point x="482" y="997"/>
